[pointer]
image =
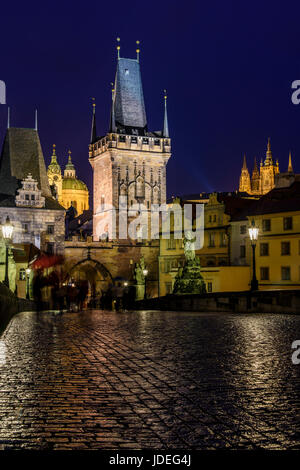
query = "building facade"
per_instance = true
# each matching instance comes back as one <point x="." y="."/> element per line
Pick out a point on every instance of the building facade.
<point x="25" y="198"/>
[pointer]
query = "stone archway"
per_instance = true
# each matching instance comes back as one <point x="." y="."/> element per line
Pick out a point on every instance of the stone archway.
<point x="96" y="274"/>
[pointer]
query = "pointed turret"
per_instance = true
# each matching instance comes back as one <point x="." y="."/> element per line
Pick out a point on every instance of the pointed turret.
<point x="245" y="183"/>
<point x="94" y="130"/>
<point x="166" y="125"/>
<point x="269" y="157"/>
<point x="70" y="171"/>
<point x="290" y="166"/>
<point x="54" y="164"/>
<point x="112" y="127"/>
<point x="36" y="121"/>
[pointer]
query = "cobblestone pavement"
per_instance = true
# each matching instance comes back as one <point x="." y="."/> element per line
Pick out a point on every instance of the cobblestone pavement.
<point x="149" y="380"/>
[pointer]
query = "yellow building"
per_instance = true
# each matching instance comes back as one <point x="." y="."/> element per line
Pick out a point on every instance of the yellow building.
<point x="217" y="272"/>
<point x="277" y="215"/>
<point x="68" y="189"/>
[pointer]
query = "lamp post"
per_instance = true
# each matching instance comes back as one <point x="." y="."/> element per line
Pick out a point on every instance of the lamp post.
<point x="253" y="233"/>
<point x="27" y="282"/>
<point x="7" y="231"/>
<point x="145" y="272"/>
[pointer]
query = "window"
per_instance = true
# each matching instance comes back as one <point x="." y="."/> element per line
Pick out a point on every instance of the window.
<point x="103" y="202"/>
<point x="285" y="273"/>
<point x="25" y="227"/>
<point x="211" y="239"/>
<point x="288" y="223"/>
<point x="22" y="274"/>
<point x="209" y="287"/>
<point x="285" y="248"/>
<point x="50" y="229"/>
<point x="264" y="249"/>
<point x="264" y="274"/>
<point x="243" y="229"/>
<point x="243" y="251"/>
<point x="223" y="239"/>
<point x="266" y="225"/>
<point x="27" y="197"/>
<point x="32" y="197"/>
<point x="50" y="248"/>
<point x="209" y="219"/>
<point x="215" y="218"/>
<point x="171" y="244"/>
<point x="169" y="288"/>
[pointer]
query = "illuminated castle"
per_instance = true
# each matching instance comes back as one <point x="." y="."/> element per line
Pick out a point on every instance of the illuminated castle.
<point x="266" y="177"/>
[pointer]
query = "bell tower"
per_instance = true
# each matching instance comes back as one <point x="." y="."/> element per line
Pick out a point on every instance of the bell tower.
<point x="130" y="160"/>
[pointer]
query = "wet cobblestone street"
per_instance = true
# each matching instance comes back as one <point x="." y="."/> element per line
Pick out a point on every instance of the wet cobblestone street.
<point x="149" y="380"/>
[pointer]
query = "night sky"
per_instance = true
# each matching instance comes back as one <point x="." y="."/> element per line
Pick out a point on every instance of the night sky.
<point x="228" y="68"/>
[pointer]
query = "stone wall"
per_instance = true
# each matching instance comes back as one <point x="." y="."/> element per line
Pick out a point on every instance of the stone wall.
<point x="287" y="301"/>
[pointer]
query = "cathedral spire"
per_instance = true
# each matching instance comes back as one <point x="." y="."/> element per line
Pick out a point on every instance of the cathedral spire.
<point x="94" y="130"/>
<point x="8" y="117"/>
<point x="269" y="158"/>
<point x="36" y="121"/>
<point x="290" y="167"/>
<point x="245" y="163"/>
<point x="166" y="125"/>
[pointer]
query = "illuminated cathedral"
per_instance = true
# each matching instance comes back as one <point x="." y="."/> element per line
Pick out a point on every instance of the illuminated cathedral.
<point x="266" y="177"/>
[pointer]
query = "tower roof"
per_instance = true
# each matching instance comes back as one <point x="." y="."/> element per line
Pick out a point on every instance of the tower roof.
<point x="245" y="163"/>
<point x="269" y="158"/>
<point x="22" y="154"/>
<point x="129" y="106"/>
<point x="54" y="165"/>
<point x="166" y="125"/>
<point x="69" y="165"/>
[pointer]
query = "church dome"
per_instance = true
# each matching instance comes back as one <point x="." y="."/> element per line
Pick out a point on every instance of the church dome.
<point x="74" y="183"/>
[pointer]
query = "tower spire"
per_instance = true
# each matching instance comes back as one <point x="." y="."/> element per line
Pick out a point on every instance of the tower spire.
<point x="118" y="47"/>
<point x="290" y="167"/>
<point x="112" y="114"/>
<point x="166" y="125"/>
<point x="53" y="157"/>
<point x="36" y="120"/>
<point x="138" y="51"/>
<point x="8" y="117"/>
<point x="94" y="130"/>
<point x="269" y="158"/>
<point x="245" y="163"/>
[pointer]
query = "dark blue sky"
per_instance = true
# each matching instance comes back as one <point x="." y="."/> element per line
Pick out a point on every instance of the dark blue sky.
<point x="228" y="68"/>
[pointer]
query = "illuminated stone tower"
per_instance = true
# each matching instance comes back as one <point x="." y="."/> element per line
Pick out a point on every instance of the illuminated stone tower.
<point x="255" y="179"/>
<point x="245" y="183"/>
<point x="268" y="171"/>
<point x="129" y="160"/>
<point x="54" y="175"/>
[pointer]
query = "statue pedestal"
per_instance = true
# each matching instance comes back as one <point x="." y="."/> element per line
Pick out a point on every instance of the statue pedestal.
<point x="139" y="291"/>
<point x="189" y="279"/>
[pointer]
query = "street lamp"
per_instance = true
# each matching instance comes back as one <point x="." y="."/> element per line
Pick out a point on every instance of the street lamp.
<point x="7" y="231"/>
<point x="253" y="233"/>
<point x="145" y="272"/>
<point x="27" y="282"/>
